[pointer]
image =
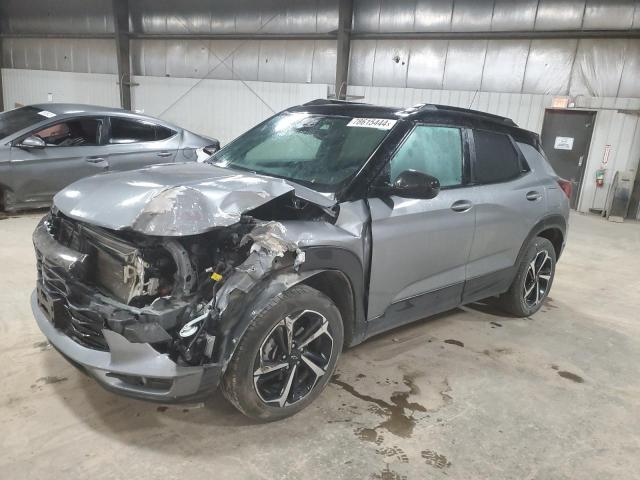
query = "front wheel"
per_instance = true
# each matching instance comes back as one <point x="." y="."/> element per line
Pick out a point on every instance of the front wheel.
<point x="533" y="279"/>
<point x="287" y="355"/>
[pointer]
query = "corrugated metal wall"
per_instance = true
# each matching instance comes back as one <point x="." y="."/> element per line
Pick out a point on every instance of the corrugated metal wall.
<point x="301" y="61"/>
<point x="47" y="16"/>
<point x="234" y="16"/>
<point x="60" y="54"/>
<point x="593" y="67"/>
<point x="494" y="15"/>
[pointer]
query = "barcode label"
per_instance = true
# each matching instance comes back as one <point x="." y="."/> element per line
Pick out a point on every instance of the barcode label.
<point x="381" y="123"/>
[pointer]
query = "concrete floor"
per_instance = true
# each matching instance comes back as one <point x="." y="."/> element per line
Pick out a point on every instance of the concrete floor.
<point x="468" y="394"/>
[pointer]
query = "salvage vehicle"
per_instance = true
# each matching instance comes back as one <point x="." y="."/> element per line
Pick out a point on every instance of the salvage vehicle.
<point x="326" y="224"/>
<point x="44" y="148"/>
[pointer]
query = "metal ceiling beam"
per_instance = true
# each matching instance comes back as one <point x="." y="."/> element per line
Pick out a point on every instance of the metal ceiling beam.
<point x="107" y="36"/>
<point x="345" y="20"/>
<point x="121" y="27"/>
<point x="235" y="36"/>
<point x="551" y="34"/>
<point x="181" y="36"/>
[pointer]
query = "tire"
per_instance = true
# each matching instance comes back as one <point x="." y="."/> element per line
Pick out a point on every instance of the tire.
<point x="254" y="385"/>
<point x="523" y="298"/>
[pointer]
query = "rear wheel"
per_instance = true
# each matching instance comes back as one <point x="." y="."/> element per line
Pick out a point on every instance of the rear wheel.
<point x="533" y="279"/>
<point x="287" y="355"/>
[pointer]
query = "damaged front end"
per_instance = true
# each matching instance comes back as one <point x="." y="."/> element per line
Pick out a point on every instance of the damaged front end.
<point x="151" y="316"/>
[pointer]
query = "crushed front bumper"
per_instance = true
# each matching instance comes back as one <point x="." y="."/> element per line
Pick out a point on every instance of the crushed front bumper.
<point x="132" y="369"/>
<point x="79" y="334"/>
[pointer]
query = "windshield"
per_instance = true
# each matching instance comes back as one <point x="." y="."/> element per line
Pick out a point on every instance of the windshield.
<point x="15" y="120"/>
<point x="318" y="151"/>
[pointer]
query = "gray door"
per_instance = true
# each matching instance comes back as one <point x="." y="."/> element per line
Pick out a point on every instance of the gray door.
<point x="421" y="246"/>
<point x="72" y="152"/>
<point x="134" y="144"/>
<point x="566" y="136"/>
<point x="508" y="200"/>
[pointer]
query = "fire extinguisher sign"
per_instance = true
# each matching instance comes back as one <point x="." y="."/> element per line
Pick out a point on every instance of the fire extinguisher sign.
<point x="607" y="154"/>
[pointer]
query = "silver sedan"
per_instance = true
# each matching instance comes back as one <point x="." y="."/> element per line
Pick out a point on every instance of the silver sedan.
<point x="44" y="148"/>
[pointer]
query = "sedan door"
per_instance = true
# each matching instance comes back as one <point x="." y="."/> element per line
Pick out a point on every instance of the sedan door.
<point x="134" y="143"/>
<point x="71" y="151"/>
<point x="420" y="247"/>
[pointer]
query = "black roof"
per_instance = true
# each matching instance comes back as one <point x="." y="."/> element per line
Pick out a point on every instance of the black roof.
<point x="425" y="112"/>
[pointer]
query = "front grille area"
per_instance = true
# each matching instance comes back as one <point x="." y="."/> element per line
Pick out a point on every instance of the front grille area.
<point x="67" y="313"/>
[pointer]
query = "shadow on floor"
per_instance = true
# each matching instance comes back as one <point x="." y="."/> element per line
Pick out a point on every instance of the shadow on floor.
<point x="131" y="420"/>
<point x="23" y="213"/>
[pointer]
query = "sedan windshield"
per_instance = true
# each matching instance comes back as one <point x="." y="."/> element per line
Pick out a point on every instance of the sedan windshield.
<point x="318" y="151"/>
<point x="15" y="120"/>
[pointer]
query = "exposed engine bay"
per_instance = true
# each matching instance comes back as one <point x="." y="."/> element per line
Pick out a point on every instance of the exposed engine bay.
<point x="165" y="291"/>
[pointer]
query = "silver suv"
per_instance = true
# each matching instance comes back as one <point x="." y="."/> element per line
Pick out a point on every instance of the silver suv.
<point x="318" y="228"/>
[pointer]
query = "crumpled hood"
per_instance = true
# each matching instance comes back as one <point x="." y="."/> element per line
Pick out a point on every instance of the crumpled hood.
<point x="174" y="199"/>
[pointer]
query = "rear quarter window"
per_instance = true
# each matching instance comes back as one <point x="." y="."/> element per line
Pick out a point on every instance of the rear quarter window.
<point x="125" y="131"/>
<point x="496" y="158"/>
<point x="162" y="133"/>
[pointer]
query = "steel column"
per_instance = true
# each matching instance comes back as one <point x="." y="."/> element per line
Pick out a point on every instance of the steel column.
<point x="121" y="27"/>
<point x="345" y="19"/>
<point x="1" y="96"/>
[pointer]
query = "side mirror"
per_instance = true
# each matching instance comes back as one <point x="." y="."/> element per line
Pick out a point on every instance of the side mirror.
<point x="31" y="142"/>
<point x="213" y="148"/>
<point x="413" y="184"/>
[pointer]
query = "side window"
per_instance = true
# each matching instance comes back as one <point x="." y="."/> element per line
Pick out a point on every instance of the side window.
<point x="125" y="131"/>
<point x="496" y="158"/>
<point x="162" y="133"/>
<point x="436" y="151"/>
<point x="72" y="133"/>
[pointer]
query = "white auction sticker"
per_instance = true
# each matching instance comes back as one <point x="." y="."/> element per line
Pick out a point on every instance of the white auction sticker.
<point x="381" y="123"/>
<point x="46" y="113"/>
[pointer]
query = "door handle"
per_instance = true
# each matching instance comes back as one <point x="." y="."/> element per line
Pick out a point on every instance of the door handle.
<point x="165" y="154"/>
<point x="461" y="206"/>
<point x="95" y="159"/>
<point x="533" y="196"/>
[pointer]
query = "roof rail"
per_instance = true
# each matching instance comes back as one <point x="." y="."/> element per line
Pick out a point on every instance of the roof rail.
<point x="488" y="116"/>
<point x="331" y="101"/>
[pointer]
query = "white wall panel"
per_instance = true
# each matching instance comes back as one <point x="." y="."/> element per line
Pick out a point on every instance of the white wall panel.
<point x="597" y="69"/>
<point x="560" y="14"/>
<point x="504" y="65"/>
<point x="472" y="16"/>
<point x="33" y="86"/>
<point x="264" y="60"/>
<point x="464" y="65"/>
<point x="218" y="108"/>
